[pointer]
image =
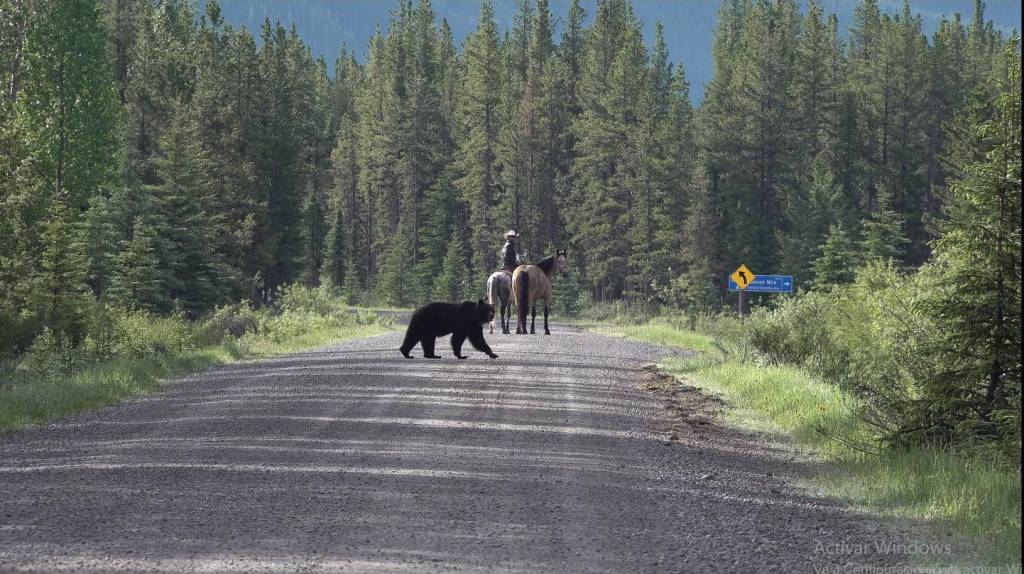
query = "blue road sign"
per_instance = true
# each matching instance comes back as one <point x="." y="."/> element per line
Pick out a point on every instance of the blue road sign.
<point x="766" y="284"/>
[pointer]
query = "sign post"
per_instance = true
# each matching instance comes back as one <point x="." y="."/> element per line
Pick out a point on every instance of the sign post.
<point x="744" y="280"/>
<point x="742" y="277"/>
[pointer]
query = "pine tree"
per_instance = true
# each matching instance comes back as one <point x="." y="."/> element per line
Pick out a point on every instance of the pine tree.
<point x="353" y="288"/>
<point x="571" y="51"/>
<point x="181" y="219"/>
<point x="699" y="280"/>
<point x="277" y="232"/>
<point x="138" y="281"/>
<point x="338" y="257"/>
<point x="810" y="211"/>
<point x="377" y="174"/>
<point x="224" y="127"/>
<point x="318" y="135"/>
<point x="568" y="293"/>
<point x="478" y="156"/>
<point x="61" y="293"/>
<point x="884" y="239"/>
<point x="449" y="285"/>
<point x="839" y="259"/>
<point x="978" y="262"/>
<point x="606" y="130"/>
<point x="395" y="280"/>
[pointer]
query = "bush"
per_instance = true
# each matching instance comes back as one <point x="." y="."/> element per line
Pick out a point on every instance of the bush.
<point x="873" y="339"/>
<point x="225" y="323"/>
<point x="50" y="355"/>
<point x="798" y="332"/>
<point x="17" y="330"/>
<point x="141" y="334"/>
<point x="322" y="300"/>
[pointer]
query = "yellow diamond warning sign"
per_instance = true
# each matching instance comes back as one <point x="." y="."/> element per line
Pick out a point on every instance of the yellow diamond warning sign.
<point x="743" y="276"/>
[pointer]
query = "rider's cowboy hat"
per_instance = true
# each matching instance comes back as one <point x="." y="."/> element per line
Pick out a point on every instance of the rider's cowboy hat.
<point x="511" y="233"/>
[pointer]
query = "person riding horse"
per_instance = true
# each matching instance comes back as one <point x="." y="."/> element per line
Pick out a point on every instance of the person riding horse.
<point x="499" y="284"/>
<point x="510" y="257"/>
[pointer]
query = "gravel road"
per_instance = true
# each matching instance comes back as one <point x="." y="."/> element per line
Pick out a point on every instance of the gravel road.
<point x="554" y="458"/>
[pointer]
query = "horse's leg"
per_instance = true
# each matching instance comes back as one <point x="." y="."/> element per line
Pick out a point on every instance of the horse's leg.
<point x="508" y="317"/>
<point x="490" y="298"/>
<point x="504" y="315"/>
<point x="523" y="301"/>
<point x="533" y="319"/>
<point x="546" y="330"/>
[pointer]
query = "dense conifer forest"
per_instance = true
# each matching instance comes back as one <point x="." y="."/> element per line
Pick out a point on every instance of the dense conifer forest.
<point x="157" y="159"/>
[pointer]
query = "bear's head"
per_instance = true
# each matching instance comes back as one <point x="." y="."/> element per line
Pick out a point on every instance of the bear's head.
<point x="484" y="312"/>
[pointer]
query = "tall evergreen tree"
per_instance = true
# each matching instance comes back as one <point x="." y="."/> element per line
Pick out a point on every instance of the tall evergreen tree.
<point x="481" y="115"/>
<point x="978" y="259"/>
<point x="838" y="261"/>
<point x="613" y="79"/>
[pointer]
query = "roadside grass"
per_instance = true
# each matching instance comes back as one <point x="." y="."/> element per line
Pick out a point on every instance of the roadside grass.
<point x="934" y="493"/>
<point x="30" y="397"/>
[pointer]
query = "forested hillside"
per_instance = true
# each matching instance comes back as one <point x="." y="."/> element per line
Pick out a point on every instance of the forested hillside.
<point x="688" y="31"/>
<point x="162" y="160"/>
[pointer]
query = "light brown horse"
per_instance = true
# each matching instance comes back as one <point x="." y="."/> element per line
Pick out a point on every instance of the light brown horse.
<point x="531" y="283"/>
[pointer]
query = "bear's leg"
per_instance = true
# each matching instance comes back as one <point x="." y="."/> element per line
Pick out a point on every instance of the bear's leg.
<point x="457" y="340"/>
<point x="476" y="338"/>
<point x="410" y="341"/>
<point x="546" y="330"/>
<point x="428" y="347"/>
<point x="533" y="320"/>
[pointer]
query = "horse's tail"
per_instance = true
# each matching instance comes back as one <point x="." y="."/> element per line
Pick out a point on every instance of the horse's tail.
<point x="490" y="290"/>
<point x="522" y="294"/>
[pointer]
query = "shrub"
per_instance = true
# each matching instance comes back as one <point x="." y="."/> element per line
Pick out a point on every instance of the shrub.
<point x="227" y="322"/>
<point x="872" y="338"/>
<point x="50" y="355"/>
<point x="322" y="300"/>
<point x="141" y="334"/>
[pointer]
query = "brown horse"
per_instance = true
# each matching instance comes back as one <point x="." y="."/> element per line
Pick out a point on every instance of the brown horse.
<point x="531" y="283"/>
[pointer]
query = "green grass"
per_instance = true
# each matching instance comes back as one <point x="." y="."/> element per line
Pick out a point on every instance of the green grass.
<point x="936" y="494"/>
<point x="28" y="399"/>
<point x="660" y="334"/>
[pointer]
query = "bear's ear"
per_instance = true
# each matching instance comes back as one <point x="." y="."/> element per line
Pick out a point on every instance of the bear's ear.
<point x="479" y="301"/>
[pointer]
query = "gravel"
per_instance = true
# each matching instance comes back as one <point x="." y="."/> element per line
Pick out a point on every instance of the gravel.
<point x="559" y="456"/>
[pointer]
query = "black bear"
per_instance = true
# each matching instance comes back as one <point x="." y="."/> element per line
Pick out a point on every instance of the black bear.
<point x="463" y="320"/>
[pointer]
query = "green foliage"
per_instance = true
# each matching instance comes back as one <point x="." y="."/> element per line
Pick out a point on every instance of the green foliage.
<point x="810" y="211"/>
<point x="976" y="306"/>
<point x="67" y="109"/>
<point x="839" y="259"/>
<point x="449" y="285"/>
<point x="569" y="293"/>
<point x="171" y="164"/>
<point x="125" y="353"/>
<point x="478" y="161"/>
<point x="395" y="278"/>
<point x="61" y="295"/>
<point x="137" y="279"/>
<point x="884" y="240"/>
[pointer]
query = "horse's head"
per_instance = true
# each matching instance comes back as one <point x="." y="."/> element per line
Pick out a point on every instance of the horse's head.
<point x="561" y="263"/>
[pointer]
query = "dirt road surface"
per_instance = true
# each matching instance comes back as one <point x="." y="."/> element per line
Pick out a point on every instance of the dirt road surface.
<point x="557" y="457"/>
